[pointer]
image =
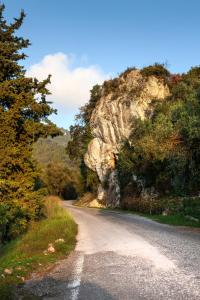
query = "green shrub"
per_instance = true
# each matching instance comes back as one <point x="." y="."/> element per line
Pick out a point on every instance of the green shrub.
<point x="141" y="205"/>
<point x="111" y="86"/>
<point x="90" y="179"/>
<point x="191" y="206"/>
<point x="16" y="216"/>
<point x="157" y="70"/>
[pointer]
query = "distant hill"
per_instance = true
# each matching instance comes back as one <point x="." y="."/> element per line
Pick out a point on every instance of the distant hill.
<point x="59" y="174"/>
<point x="48" y="150"/>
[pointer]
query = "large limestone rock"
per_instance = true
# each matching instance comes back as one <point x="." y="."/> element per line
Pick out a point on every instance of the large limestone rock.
<point x="130" y="96"/>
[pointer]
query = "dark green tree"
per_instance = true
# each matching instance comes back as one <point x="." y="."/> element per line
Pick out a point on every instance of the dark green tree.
<point x="80" y="138"/>
<point x="61" y="180"/>
<point x="164" y="151"/>
<point x="24" y="114"/>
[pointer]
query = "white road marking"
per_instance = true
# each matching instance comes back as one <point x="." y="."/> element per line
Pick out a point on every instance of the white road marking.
<point x="74" y="285"/>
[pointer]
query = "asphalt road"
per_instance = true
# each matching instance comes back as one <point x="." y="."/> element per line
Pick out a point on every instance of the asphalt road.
<point x="122" y="256"/>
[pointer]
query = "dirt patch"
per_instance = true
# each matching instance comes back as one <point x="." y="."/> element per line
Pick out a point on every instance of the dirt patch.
<point x="89" y="200"/>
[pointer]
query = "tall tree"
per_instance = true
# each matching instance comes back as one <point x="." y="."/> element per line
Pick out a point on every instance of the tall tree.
<point x="24" y="113"/>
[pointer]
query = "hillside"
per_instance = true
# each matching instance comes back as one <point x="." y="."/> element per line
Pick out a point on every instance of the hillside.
<point x="142" y="141"/>
<point x="58" y="174"/>
<point x="47" y="150"/>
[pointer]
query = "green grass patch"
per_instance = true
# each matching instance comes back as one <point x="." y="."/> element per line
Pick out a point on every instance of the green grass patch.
<point x="176" y="220"/>
<point x="27" y="254"/>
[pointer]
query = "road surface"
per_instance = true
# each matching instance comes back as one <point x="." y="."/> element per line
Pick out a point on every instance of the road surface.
<point x="123" y="256"/>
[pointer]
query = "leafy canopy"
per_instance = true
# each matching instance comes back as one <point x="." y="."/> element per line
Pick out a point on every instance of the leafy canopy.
<point x="24" y="113"/>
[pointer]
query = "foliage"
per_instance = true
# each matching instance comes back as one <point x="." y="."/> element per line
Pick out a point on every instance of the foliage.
<point x="80" y="138"/>
<point x="87" y="109"/>
<point x="76" y="149"/>
<point x="157" y="70"/>
<point x="62" y="181"/>
<point x="58" y="173"/>
<point x="164" y="151"/>
<point x="147" y="206"/>
<point x="191" y="207"/>
<point x="175" y="220"/>
<point x="111" y="86"/>
<point x="24" y="114"/>
<point x="90" y="179"/>
<point x="48" y="150"/>
<point x="26" y="254"/>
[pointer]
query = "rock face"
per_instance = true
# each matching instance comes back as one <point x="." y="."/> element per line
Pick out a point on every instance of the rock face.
<point x="129" y="96"/>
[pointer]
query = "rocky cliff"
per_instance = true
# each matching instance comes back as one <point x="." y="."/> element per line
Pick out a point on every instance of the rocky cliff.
<point x="129" y="96"/>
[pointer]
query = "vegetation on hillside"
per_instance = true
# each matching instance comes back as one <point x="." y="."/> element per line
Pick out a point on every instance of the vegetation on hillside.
<point x="30" y="252"/>
<point x="58" y="173"/>
<point x="80" y="137"/>
<point x="24" y="114"/>
<point x="159" y="166"/>
<point x="157" y="70"/>
<point x="163" y="151"/>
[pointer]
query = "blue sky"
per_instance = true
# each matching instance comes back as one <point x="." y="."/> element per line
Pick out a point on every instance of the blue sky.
<point x="82" y="42"/>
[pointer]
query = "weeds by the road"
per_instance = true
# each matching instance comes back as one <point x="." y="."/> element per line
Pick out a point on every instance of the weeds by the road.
<point x="45" y="242"/>
<point x="176" y="220"/>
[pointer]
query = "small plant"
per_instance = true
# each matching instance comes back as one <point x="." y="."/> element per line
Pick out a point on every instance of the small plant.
<point x="157" y="70"/>
<point x="191" y="207"/>
<point x="111" y="86"/>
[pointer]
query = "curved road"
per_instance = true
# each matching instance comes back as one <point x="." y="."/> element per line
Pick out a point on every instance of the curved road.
<point x="122" y="256"/>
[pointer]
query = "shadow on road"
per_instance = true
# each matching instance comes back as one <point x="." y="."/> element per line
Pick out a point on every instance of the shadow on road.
<point x="54" y="289"/>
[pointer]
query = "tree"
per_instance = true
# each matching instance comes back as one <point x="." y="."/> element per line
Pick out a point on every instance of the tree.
<point x="59" y="174"/>
<point x="164" y="151"/>
<point x="81" y="136"/>
<point x="62" y="181"/>
<point x="24" y="113"/>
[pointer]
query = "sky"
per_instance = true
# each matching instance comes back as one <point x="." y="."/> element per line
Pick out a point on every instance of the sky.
<point x="84" y="42"/>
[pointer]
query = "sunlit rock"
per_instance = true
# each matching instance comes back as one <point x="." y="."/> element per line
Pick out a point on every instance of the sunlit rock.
<point x="112" y="122"/>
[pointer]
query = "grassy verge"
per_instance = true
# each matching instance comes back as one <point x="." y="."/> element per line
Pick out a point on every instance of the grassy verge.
<point x="30" y="252"/>
<point x="175" y="220"/>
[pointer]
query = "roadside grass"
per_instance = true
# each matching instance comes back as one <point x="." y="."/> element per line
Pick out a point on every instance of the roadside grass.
<point x="175" y="220"/>
<point x="29" y="252"/>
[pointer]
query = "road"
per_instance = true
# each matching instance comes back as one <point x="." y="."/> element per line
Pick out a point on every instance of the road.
<point x="122" y="256"/>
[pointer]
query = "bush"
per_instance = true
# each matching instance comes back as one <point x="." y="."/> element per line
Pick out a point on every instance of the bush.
<point x="163" y="151"/>
<point x="62" y="181"/>
<point x="153" y="206"/>
<point x="191" y="206"/>
<point x="146" y="206"/>
<point x="111" y="86"/>
<point x="90" y="179"/>
<point x="16" y="217"/>
<point x="157" y="70"/>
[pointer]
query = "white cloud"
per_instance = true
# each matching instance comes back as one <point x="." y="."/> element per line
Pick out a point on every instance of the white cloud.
<point x="70" y="85"/>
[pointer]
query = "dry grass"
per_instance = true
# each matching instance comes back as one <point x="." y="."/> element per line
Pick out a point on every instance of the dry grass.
<point x="89" y="200"/>
<point x="85" y="199"/>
